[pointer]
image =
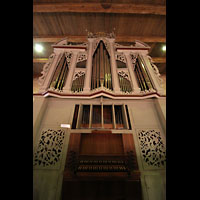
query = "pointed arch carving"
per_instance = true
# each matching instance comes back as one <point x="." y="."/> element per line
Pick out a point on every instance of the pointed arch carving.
<point x="96" y="43"/>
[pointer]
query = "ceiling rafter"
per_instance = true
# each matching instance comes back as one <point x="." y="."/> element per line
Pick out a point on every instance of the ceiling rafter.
<point x="100" y="8"/>
<point x="84" y="38"/>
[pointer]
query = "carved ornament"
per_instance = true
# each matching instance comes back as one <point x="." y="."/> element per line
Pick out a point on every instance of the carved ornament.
<point x="152" y="147"/>
<point x="49" y="150"/>
<point x="46" y="68"/>
<point x="81" y="57"/>
<point x="121" y="57"/>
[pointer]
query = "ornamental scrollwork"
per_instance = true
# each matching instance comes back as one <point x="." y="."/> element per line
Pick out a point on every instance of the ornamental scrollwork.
<point x="78" y="74"/>
<point x="124" y="75"/>
<point x="133" y="58"/>
<point x="49" y="149"/>
<point x="152" y="147"/>
<point x="155" y="69"/>
<point x="46" y="68"/>
<point x="68" y="56"/>
<point x="100" y="34"/>
<point x="81" y="57"/>
<point x="121" y="57"/>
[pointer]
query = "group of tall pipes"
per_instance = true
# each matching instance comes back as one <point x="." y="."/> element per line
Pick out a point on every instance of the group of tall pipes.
<point x="142" y="75"/>
<point x="101" y="74"/>
<point x="101" y="68"/>
<point x="78" y="84"/>
<point x="60" y="74"/>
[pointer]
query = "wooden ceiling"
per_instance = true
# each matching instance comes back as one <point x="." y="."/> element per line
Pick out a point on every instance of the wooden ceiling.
<point x="130" y="20"/>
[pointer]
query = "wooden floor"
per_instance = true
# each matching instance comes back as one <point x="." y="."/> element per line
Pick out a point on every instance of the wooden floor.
<point x="101" y="190"/>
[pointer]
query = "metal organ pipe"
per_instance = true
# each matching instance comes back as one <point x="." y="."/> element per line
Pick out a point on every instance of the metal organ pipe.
<point x="60" y="74"/>
<point x="101" y="68"/>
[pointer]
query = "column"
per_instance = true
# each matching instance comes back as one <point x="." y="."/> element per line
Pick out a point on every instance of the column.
<point x="115" y="79"/>
<point x="136" y="88"/>
<point x="72" y="66"/>
<point x="50" y="73"/>
<point x="87" y="83"/>
<point x="149" y="69"/>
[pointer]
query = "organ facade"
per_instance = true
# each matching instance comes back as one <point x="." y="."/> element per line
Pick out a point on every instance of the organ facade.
<point x="99" y="123"/>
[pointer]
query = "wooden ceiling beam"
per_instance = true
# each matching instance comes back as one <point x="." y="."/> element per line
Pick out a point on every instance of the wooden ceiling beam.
<point x="84" y="38"/>
<point x="99" y="8"/>
<point x="159" y="59"/>
<point x="40" y="60"/>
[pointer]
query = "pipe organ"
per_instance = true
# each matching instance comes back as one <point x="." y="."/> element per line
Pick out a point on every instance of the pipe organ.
<point x="135" y="74"/>
<point x="110" y="101"/>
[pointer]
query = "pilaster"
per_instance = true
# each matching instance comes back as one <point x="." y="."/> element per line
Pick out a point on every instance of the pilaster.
<point x="39" y="105"/>
<point x="136" y="88"/>
<point x="68" y="82"/>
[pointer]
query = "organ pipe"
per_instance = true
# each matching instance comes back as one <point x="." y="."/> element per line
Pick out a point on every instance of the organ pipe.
<point x="142" y="75"/>
<point x="78" y="84"/>
<point x="60" y="74"/>
<point x="101" y="68"/>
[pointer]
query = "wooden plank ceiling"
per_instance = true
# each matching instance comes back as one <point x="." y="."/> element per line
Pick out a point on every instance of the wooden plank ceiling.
<point x="130" y="20"/>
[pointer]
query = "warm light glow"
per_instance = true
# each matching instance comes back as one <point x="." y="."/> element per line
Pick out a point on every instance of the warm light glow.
<point x="39" y="48"/>
<point x="65" y="125"/>
<point x="164" y="48"/>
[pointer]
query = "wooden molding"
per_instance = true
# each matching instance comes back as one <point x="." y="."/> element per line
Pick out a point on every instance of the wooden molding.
<point x="82" y="38"/>
<point x="155" y="60"/>
<point x="99" y="8"/>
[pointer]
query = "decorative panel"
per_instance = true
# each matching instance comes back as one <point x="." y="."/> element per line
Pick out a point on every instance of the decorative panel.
<point x="49" y="150"/>
<point x="153" y="150"/>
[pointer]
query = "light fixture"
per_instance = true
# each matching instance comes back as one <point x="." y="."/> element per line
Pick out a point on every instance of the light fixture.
<point x="38" y="48"/>
<point x="65" y="125"/>
<point x="164" y="47"/>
